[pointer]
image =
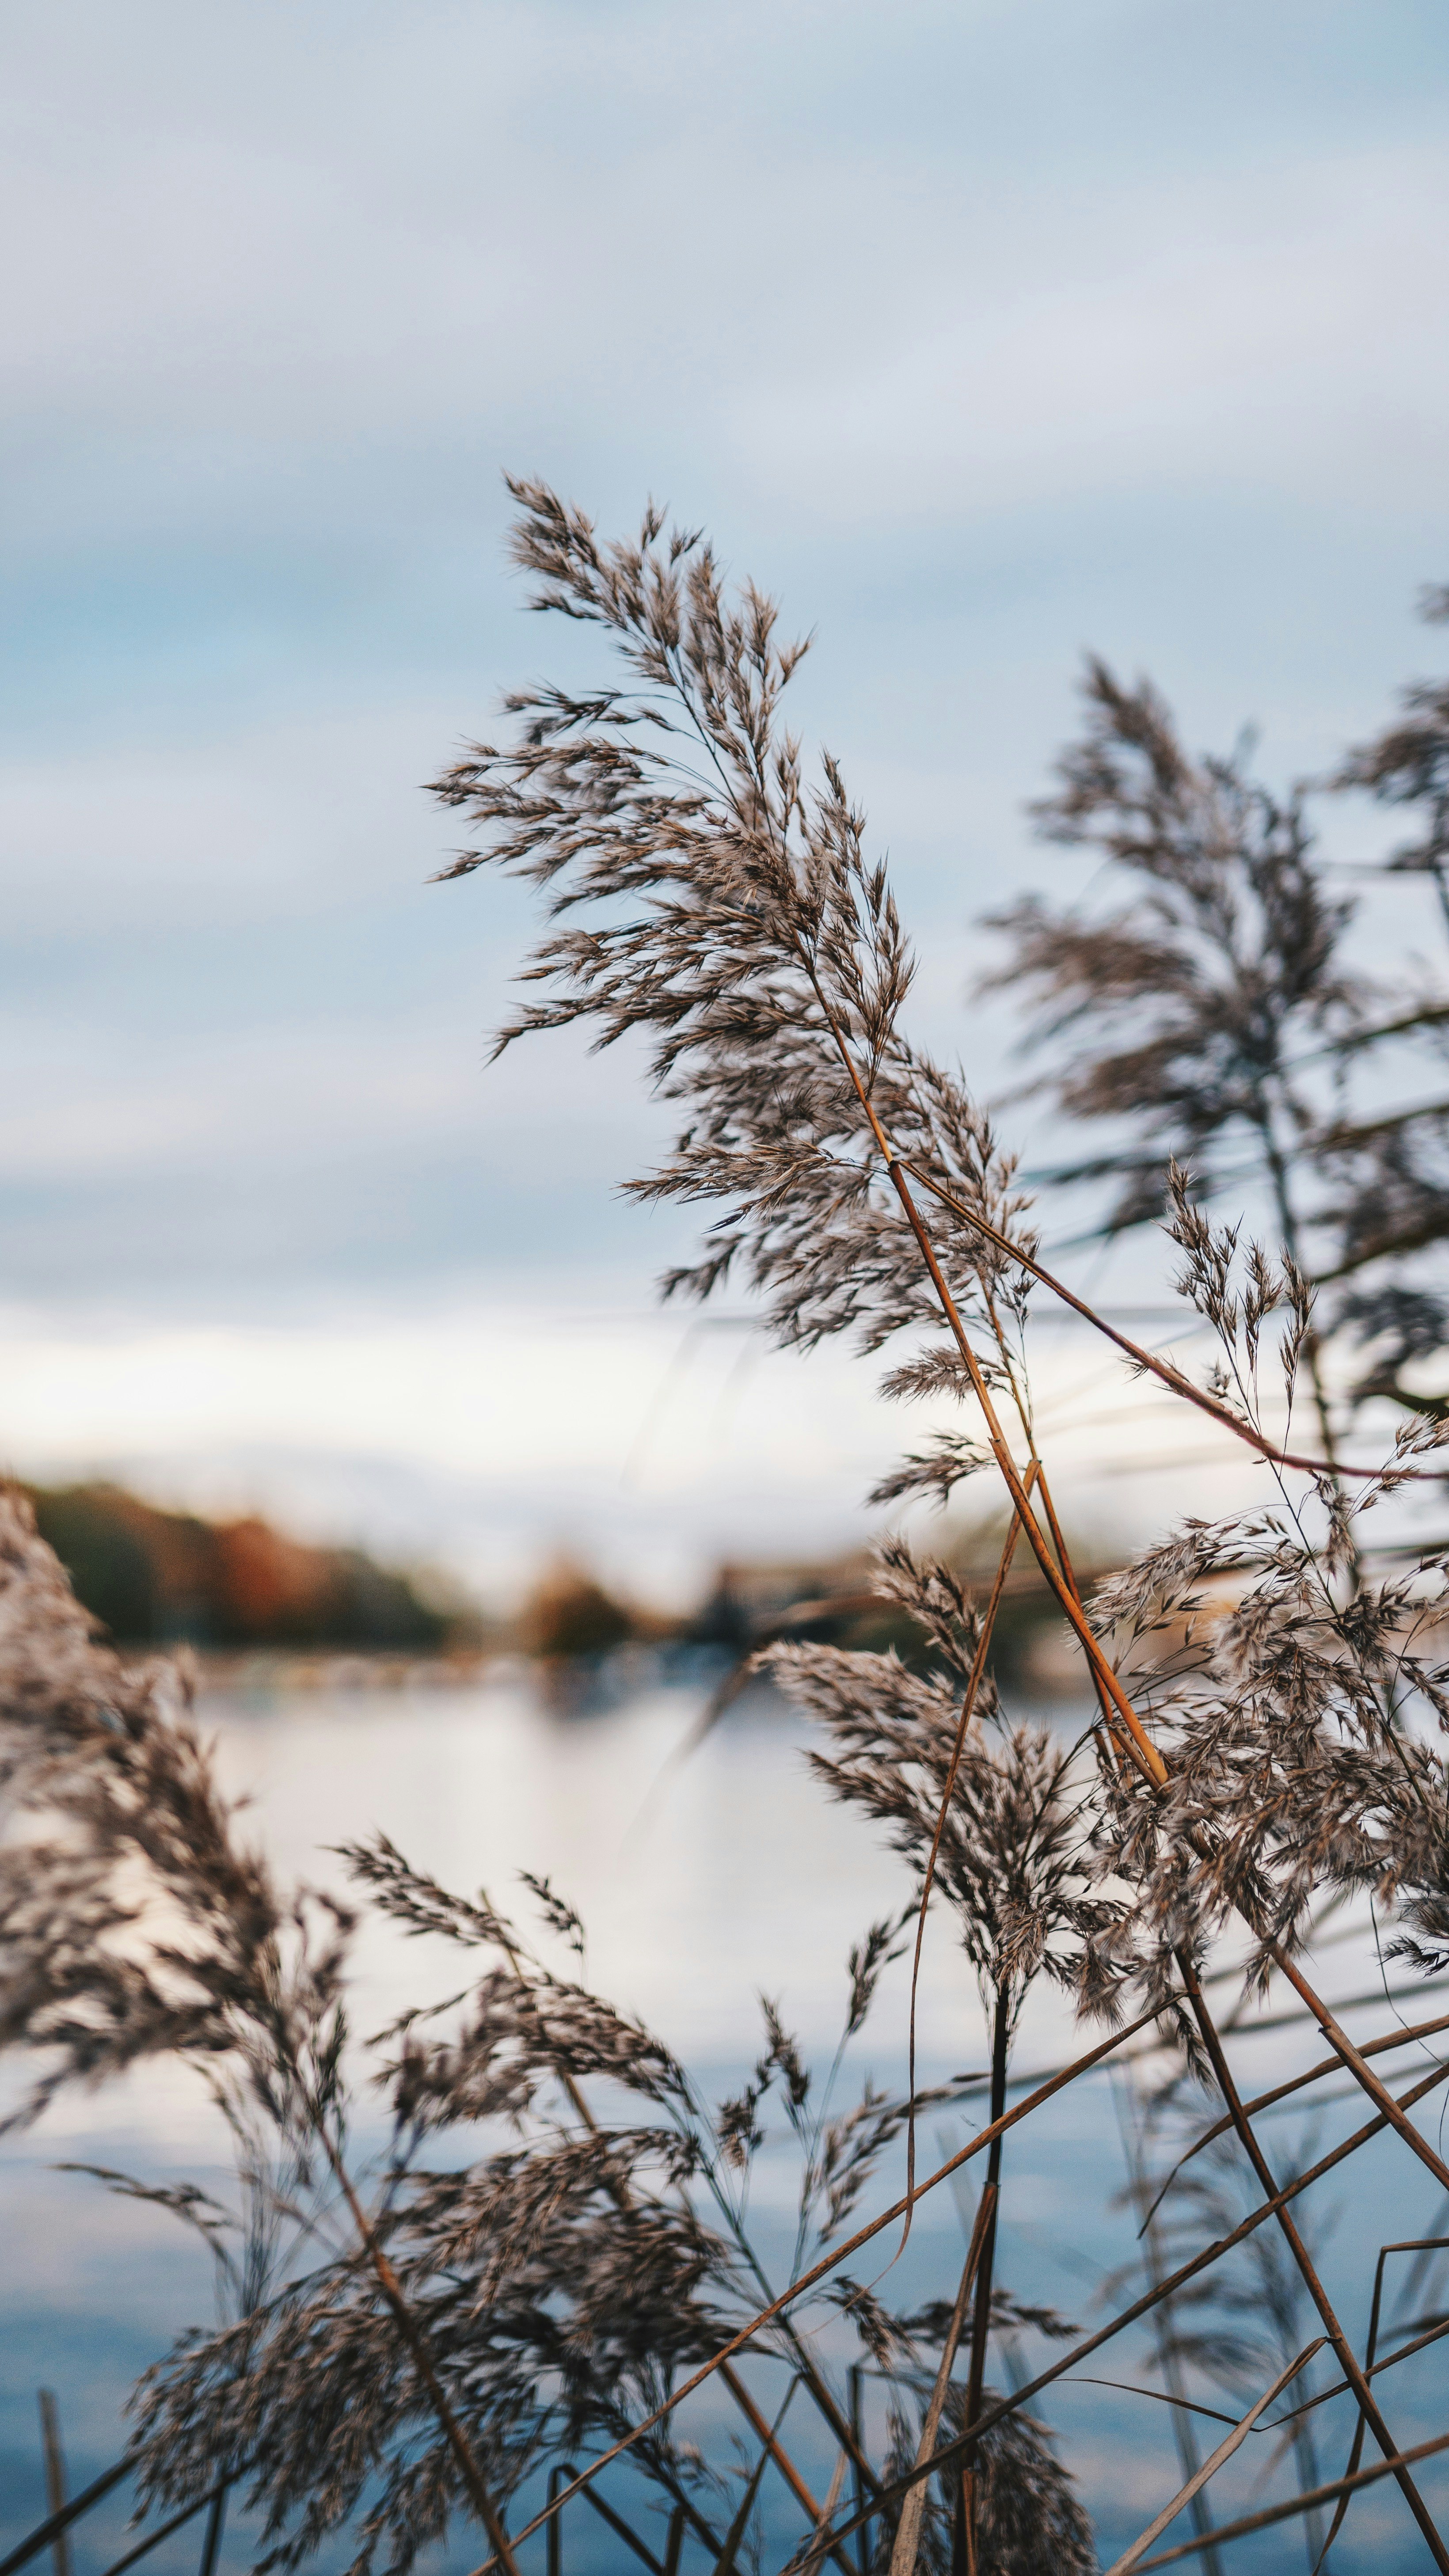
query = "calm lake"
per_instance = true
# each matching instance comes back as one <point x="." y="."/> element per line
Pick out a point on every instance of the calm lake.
<point x="703" y="1882"/>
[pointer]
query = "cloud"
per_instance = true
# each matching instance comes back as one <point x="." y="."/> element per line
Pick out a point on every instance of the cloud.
<point x="288" y="271"/>
<point x="1163" y="336"/>
<point x="486" y="1430"/>
<point x="983" y="333"/>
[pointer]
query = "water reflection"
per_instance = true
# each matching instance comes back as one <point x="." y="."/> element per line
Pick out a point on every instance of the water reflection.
<point x="702" y="1883"/>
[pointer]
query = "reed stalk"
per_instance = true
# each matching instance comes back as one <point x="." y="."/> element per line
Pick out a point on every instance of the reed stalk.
<point x="553" y="2255"/>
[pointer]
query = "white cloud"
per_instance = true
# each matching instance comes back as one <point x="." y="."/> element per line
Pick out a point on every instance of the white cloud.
<point x="1153" y="334"/>
<point x="990" y="331"/>
<point x="285" y="262"/>
<point x="486" y="1433"/>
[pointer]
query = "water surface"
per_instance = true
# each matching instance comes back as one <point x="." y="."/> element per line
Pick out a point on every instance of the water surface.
<point x="703" y="1882"/>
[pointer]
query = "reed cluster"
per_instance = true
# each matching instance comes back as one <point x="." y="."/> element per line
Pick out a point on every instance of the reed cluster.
<point x="521" y="2300"/>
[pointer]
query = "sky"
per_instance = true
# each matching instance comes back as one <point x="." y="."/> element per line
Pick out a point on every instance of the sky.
<point x="981" y="334"/>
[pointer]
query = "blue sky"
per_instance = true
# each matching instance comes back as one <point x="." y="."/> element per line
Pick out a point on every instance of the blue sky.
<point x="981" y="333"/>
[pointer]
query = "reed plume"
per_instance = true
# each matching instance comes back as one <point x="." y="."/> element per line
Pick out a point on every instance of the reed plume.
<point x="552" y="2254"/>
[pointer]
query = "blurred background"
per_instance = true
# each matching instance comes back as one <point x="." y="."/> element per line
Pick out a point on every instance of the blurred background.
<point x="981" y="334"/>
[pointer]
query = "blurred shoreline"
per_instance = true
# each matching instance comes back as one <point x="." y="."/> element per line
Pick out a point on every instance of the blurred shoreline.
<point x="265" y="1671"/>
<point x="262" y="1611"/>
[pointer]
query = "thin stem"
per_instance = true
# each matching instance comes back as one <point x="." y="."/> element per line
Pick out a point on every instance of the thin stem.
<point x="981" y="2319"/>
<point x="1147" y="1755"/>
<point x="1158" y="1368"/>
<point x="1352" y="2058"/>
<point x="724" y="2565"/>
<point x="1191" y="2492"/>
<point x="1294" y="2084"/>
<point x="874" y="2227"/>
<point x="1411" y="2245"/>
<point x="1143" y="1751"/>
<point x="908" y="2530"/>
<point x="1301" y="2503"/>
<point x="1347" y="2358"/>
<point x="1169" y="2358"/>
<point x="766" y="2433"/>
<point x="623" y="2199"/>
<point x="807" y="2367"/>
<point x="964" y="2443"/>
<point x="393" y="2293"/>
<point x="1288" y="1228"/>
<point x="968" y="1705"/>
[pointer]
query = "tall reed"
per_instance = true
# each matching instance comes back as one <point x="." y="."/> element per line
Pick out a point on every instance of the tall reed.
<point x="554" y="2254"/>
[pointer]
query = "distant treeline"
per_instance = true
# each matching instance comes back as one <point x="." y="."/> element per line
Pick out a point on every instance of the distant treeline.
<point x="156" y="1578"/>
<point x="569" y="1618"/>
<point x="159" y="1578"/>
